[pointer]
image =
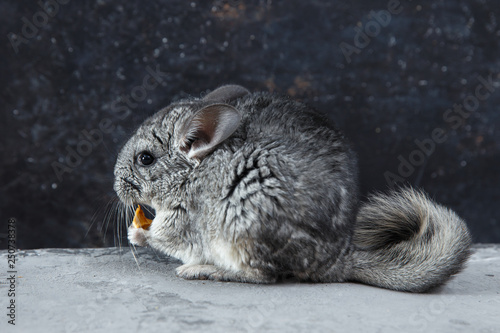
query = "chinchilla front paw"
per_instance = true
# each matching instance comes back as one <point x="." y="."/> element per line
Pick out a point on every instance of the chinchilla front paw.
<point x="196" y="272"/>
<point x="137" y="236"/>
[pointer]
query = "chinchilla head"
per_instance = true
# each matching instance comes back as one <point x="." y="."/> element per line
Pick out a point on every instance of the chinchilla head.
<point x="155" y="162"/>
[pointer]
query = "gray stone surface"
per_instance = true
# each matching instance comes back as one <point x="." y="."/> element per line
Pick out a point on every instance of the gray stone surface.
<point x="107" y="290"/>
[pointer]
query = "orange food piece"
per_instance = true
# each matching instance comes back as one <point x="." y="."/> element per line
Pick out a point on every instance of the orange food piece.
<point x="140" y="220"/>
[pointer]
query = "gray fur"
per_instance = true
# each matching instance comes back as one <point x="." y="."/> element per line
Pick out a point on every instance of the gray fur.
<point x="226" y="94"/>
<point x="405" y="241"/>
<point x="277" y="195"/>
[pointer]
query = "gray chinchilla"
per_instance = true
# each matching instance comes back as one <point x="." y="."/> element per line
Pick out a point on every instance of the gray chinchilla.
<point x="251" y="187"/>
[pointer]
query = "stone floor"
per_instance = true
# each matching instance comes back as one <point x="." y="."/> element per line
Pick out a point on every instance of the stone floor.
<point x="108" y="290"/>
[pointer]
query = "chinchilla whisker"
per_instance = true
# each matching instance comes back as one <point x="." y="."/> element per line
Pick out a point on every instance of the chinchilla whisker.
<point x="110" y="215"/>
<point x="150" y="210"/>
<point x="114" y="217"/>
<point x="122" y="218"/>
<point x="100" y="217"/>
<point x="135" y="254"/>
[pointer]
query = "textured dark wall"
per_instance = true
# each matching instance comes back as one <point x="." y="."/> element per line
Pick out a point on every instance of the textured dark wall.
<point x="78" y="79"/>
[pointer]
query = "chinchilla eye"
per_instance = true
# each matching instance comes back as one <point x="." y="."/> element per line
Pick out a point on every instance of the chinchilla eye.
<point x="145" y="158"/>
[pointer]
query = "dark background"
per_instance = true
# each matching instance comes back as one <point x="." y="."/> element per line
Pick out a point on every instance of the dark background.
<point x="77" y="68"/>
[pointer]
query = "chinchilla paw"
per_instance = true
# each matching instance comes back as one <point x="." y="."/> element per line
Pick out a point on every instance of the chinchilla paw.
<point x="137" y="236"/>
<point x="195" y="272"/>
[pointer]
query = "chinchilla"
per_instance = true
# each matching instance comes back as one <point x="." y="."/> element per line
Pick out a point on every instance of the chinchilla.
<point x="253" y="187"/>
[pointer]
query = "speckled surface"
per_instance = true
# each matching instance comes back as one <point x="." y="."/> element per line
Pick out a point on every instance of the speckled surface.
<point x="106" y="290"/>
<point x="83" y="69"/>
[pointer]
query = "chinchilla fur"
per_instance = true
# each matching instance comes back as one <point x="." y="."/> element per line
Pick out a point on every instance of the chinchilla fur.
<point x="253" y="187"/>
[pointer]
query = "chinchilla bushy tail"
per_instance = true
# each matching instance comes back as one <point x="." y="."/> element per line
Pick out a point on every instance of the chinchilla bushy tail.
<point x="405" y="241"/>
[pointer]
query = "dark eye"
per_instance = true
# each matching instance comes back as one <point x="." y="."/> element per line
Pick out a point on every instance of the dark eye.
<point x="145" y="158"/>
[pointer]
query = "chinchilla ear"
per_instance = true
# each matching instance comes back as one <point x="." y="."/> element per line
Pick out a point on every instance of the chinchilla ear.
<point x="226" y="94"/>
<point x="207" y="128"/>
